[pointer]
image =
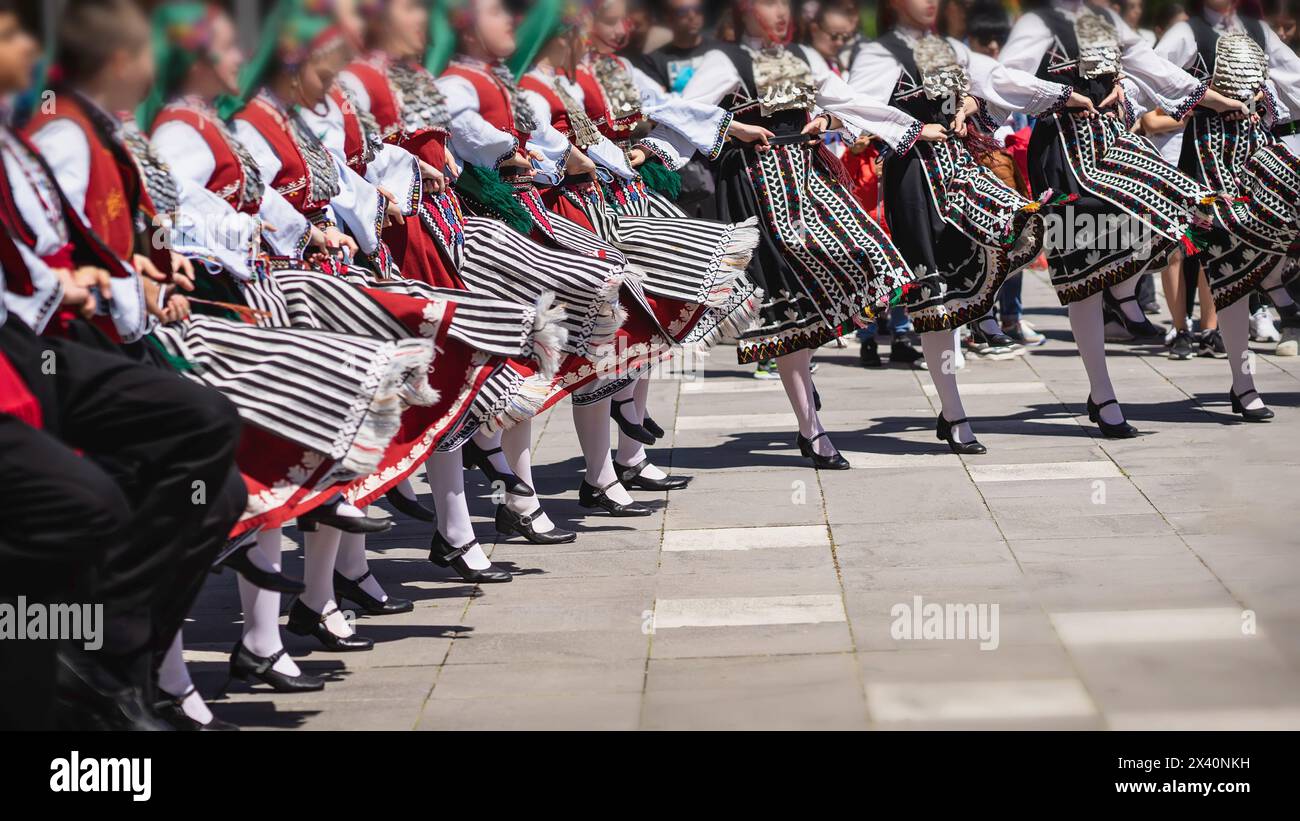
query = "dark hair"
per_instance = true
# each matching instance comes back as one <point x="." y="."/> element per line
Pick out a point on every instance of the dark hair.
<point x="91" y="31"/>
<point x="1164" y="18"/>
<point x="988" y="22"/>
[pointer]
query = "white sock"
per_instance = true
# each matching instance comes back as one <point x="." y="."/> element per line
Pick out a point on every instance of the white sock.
<point x="799" y="390"/>
<point x="518" y="445"/>
<point x="174" y="680"/>
<point x="346" y="508"/>
<point x="262" y="608"/>
<point x="490" y="442"/>
<point x="320" y="552"/>
<point x="447" y="481"/>
<point x="1124" y="290"/>
<point x="352" y="564"/>
<point x="1234" y="326"/>
<point x="940" y="349"/>
<point x="592" y="423"/>
<point x="630" y="451"/>
<point x="1090" y="336"/>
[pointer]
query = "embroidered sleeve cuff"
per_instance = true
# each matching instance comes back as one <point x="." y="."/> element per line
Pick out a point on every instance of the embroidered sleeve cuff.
<point x="720" y="138"/>
<point x="657" y="152"/>
<point x="984" y="118"/>
<point x="1270" y="115"/>
<point x="1057" y="103"/>
<point x="909" y="138"/>
<point x="416" y="191"/>
<point x="514" y="149"/>
<point x="1190" y="101"/>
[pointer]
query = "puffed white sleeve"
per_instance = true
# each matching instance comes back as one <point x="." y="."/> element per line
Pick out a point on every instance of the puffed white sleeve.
<point x="356" y="88"/>
<point x="860" y="114"/>
<point x="1006" y="91"/>
<point x="1284" y="72"/>
<point x="874" y="72"/>
<point x="473" y="139"/>
<point x="397" y="171"/>
<point x="713" y="80"/>
<point x="1172" y="88"/>
<point x="66" y="152"/>
<point x="289" y="229"/>
<point x="548" y="146"/>
<point x="704" y="125"/>
<point x="1029" y="40"/>
<point x="359" y="207"/>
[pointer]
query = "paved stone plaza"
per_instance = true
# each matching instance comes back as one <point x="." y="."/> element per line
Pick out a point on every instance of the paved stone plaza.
<point x="1149" y="583"/>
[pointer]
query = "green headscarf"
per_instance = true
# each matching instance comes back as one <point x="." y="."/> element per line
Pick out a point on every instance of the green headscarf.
<point x="178" y="39"/>
<point x="545" y="20"/>
<point x="442" y="35"/>
<point x="287" y="35"/>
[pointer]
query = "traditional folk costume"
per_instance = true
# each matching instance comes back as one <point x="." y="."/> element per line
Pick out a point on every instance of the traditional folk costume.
<point x="1123" y="208"/>
<point x="821" y="260"/>
<point x="961" y="229"/>
<point x="1257" y="176"/>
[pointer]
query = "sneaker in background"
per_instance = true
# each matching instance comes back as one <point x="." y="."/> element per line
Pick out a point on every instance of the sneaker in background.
<point x="766" y="369"/>
<point x="1022" y="333"/>
<point x="1262" y="328"/>
<point x="1211" y="344"/>
<point x="1182" y="346"/>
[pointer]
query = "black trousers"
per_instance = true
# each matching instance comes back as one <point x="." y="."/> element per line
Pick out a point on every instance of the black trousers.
<point x="143" y="510"/>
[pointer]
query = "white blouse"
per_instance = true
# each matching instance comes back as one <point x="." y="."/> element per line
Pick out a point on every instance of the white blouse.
<point x="717" y="76"/>
<point x="1148" y="77"/>
<point x="1178" y="46"/>
<point x="1005" y="91"/>
<point x="604" y="153"/>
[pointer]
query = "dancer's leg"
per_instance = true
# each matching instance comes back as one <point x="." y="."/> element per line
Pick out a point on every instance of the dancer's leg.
<point x="352" y="564"/>
<point x="1172" y="279"/>
<point x="797" y="381"/>
<point x="174" y="680"/>
<point x="630" y="451"/>
<point x="446" y="475"/>
<point x="517" y="443"/>
<point x="262" y="607"/>
<point x="1123" y="291"/>
<point x="940" y="349"/>
<point x="1234" y="325"/>
<point x="320" y="553"/>
<point x="592" y="424"/>
<point x="1090" y="336"/>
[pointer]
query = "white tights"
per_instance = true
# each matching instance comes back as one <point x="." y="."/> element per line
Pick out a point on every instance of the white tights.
<point x="592" y="423"/>
<point x="941" y="354"/>
<point x="1234" y="325"/>
<point x="797" y="380"/>
<point x="352" y="563"/>
<point x="1090" y="336"/>
<point x="630" y="451"/>
<point x="262" y="607"/>
<point x="320" y="553"/>
<point x="174" y="680"/>
<point x="446" y="476"/>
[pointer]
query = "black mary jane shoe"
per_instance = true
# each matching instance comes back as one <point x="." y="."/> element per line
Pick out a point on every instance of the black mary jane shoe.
<point x="651" y="425"/>
<point x="443" y="554"/>
<point x="351" y="590"/>
<point x="244" y="665"/>
<point x="409" y="507"/>
<point x="1122" y="430"/>
<point x="943" y="431"/>
<point x="304" y="621"/>
<point x="835" y="461"/>
<point x="510" y="523"/>
<point x="475" y="456"/>
<point x="239" y="562"/>
<point x="1239" y="407"/>
<point x="596" y="498"/>
<point x="329" y="516"/>
<point x="631" y="477"/>
<point x="1143" y="330"/>
<point x="639" y="432"/>
<point x="171" y="711"/>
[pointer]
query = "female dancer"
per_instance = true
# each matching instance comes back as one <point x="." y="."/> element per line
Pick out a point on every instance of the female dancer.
<point x="492" y="125"/>
<point x="821" y="261"/>
<point x="1258" y="177"/>
<point x="960" y="228"/>
<point x="208" y="157"/>
<point x="1100" y="175"/>
<point x="691" y="266"/>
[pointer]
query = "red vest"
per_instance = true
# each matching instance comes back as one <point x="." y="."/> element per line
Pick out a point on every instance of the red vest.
<point x="291" y="180"/>
<point x="227" y="179"/>
<point x="493" y="98"/>
<point x="354" y="147"/>
<point x="114" y="191"/>
<point x="383" y="103"/>
<point x="597" y="108"/>
<point x="559" y="114"/>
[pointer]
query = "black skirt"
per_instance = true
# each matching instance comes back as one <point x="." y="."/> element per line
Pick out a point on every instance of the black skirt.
<point x="961" y="230"/>
<point x="821" y="262"/>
